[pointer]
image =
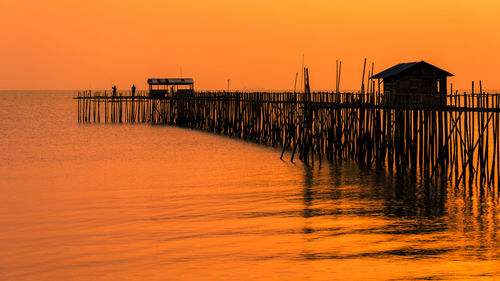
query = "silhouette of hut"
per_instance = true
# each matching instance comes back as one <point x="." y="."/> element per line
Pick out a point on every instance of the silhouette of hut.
<point x="159" y="87"/>
<point x="414" y="84"/>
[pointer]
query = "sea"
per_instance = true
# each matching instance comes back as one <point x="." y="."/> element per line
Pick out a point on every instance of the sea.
<point x="156" y="202"/>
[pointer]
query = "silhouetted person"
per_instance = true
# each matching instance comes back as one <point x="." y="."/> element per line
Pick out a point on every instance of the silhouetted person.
<point x="114" y="91"/>
<point x="133" y="90"/>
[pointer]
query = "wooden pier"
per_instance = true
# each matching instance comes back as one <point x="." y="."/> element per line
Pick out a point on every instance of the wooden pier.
<point x="458" y="142"/>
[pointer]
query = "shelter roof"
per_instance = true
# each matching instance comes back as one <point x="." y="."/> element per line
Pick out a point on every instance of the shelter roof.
<point x="402" y="67"/>
<point x="170" y="81"/>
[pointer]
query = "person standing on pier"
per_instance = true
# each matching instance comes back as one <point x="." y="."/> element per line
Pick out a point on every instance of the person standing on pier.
<point x="133" y="90"/>
<point x="114" y="90"/>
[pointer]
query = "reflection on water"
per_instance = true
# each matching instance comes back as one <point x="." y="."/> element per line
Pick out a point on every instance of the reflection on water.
<point x="352" y="214"/>
<point x="139" y="202"/>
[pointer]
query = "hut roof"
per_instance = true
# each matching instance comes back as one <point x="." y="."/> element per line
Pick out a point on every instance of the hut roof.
<point x="170" y="81"/>
<point x="402" y="67"/>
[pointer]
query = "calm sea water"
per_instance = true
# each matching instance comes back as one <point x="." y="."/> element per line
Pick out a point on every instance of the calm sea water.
<point x="142" y="202"/>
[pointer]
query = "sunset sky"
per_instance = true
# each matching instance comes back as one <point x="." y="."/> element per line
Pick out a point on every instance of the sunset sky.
<point x="94" y="44"/>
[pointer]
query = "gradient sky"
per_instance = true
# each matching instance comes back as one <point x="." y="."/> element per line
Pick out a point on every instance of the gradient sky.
<point x="257" y="44"/>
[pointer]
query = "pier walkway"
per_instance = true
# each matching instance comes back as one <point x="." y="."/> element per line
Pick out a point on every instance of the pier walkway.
<point x="458" y="142"/>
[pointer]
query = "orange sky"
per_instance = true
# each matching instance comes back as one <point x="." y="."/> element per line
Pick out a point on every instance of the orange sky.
<point x="257" y="44"/>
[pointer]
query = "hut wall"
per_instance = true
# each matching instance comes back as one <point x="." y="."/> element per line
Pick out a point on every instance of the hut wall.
<point x="416" y="86"/>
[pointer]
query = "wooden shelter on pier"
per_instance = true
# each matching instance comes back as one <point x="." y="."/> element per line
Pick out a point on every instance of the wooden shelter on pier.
<point x="161" y="87"/>
<point x="414" y="84"/>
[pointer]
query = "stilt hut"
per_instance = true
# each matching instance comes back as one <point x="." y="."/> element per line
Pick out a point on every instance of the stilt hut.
<point x="414" y="84"/>
<point x="161" y="87"/>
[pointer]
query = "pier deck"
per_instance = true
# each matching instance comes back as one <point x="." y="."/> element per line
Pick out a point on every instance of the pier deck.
<point x="458" y="142"/>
